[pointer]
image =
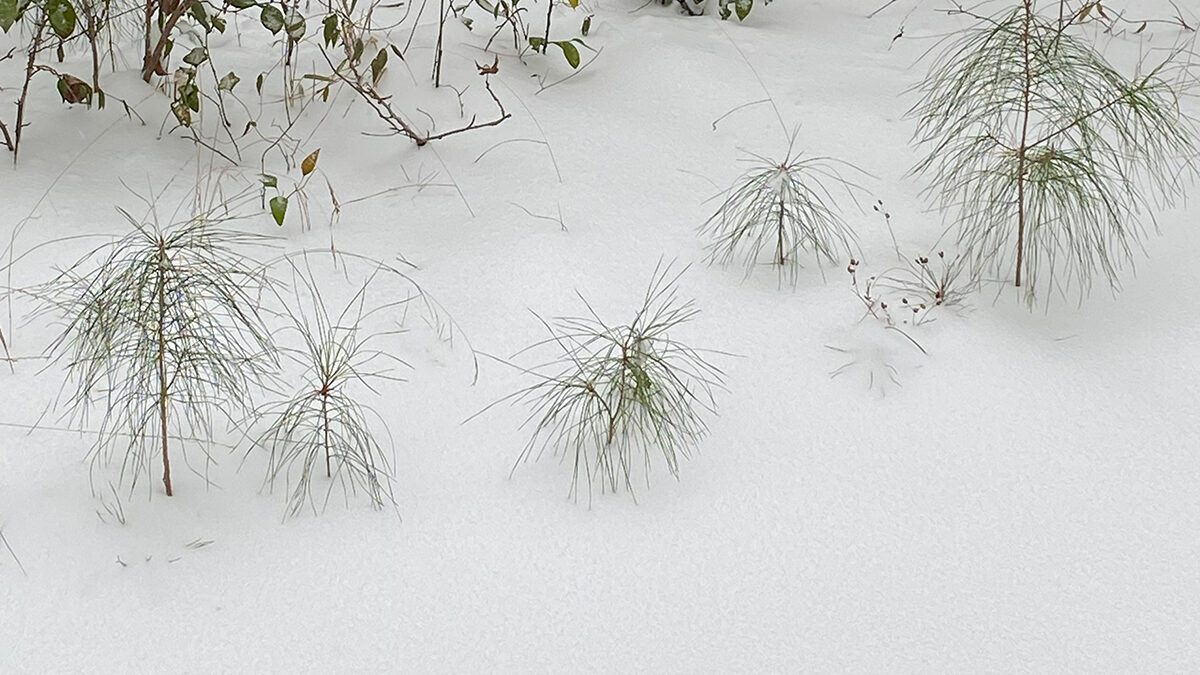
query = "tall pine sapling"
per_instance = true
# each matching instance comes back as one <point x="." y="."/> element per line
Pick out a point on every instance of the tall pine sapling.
<point x="162" y="336"/>
<point x="1050" y="159"/>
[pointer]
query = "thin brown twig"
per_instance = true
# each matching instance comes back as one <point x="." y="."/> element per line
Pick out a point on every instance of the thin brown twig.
<point x="401" y="125"/>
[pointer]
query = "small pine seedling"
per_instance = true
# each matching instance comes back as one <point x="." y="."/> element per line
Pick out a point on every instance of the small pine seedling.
<point x="785" y="207"/>
<point x="324" y="427"/>
<point x="618" y="394"/>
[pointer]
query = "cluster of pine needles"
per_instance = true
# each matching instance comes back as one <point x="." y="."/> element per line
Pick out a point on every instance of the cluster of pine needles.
<point x="617" y="394"/>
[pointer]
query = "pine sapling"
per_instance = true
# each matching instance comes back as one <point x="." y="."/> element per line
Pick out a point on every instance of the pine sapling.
<point x="1049" y="158"/>
<point x="324" y="427"/>
<point x="617" y="394"/>
<point x="786" y="208"/>
<point x="162" y="336"/>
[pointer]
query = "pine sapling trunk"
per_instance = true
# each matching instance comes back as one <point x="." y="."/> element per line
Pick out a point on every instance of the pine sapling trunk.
<point x="1023" y="148"/>
<point x="779" y="257"/>
<point x="325" y="430"/>
<point x="612" y="429"/>
<point x="162" y="362"/>
<point x="614" y="415"/>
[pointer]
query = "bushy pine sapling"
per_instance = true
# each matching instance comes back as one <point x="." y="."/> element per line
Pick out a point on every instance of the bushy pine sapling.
<point x="786" y="208"/>
<point x="162" y="336"/>
<point x="324" y="427"/>
<point x="618" y="394"/>
<point x="1050" y="159"/>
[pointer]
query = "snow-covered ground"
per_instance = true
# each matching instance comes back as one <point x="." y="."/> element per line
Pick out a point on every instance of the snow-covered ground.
<point x="1027" y="500"/>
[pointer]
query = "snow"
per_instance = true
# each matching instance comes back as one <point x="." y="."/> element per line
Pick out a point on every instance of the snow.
<point x="1026" y="501"/>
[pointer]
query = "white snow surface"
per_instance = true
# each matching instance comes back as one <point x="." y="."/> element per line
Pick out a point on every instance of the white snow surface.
<point x="1027" y="500"/>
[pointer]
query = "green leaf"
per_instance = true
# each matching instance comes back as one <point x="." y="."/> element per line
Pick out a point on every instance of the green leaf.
<point x="743" y="7"/>
<point x="294" y="24"/>
<point x="258" y="82"/>
<point x="218" y="22"/>
<point x="570" y="51"/>
<point x="242" y="4"/>
<point x="10" y="11"/>
<point x="268" y="180"/>
<point x="537" y="43"/>
<point x="331" y="30"/>
<point x="201" y="16"/>
<point x="587" y="25"/>
<point x="279" y="209"/>
<point x="196" y="56"/>
<point x="62" y="17"/>
<point x="272" y="19"/>
<point x="228" y="82"/>
<point x="378" y="64"/>
<point x="191" y="96"/>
